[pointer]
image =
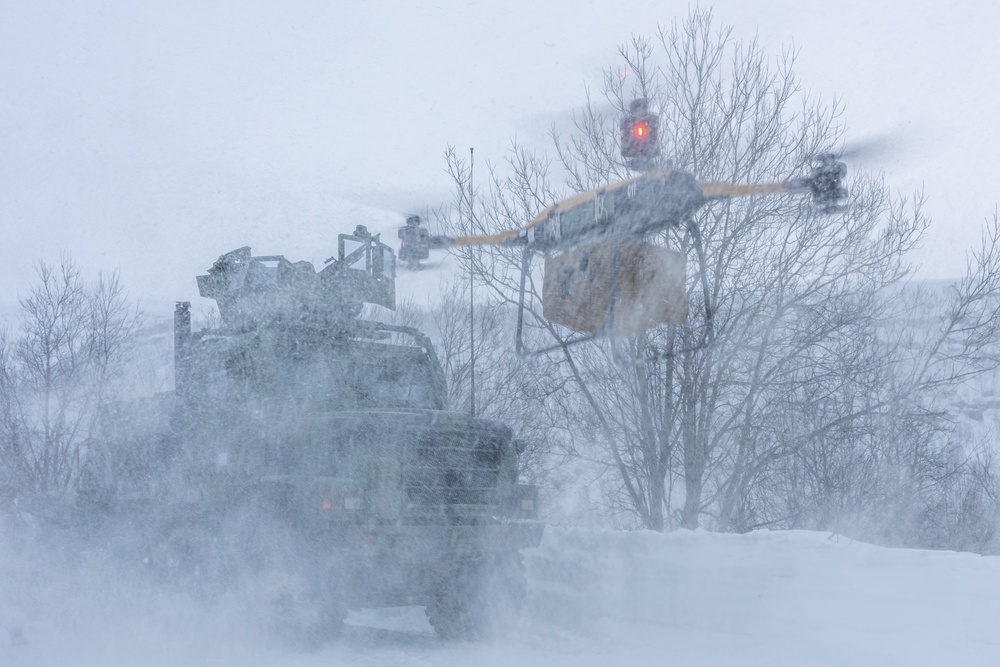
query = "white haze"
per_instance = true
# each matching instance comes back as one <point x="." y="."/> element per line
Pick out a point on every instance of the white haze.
<point x="152" y="137"/>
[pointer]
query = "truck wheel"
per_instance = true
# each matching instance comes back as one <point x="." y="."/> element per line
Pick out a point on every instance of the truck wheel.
<point x="455" y="611"/>
<point x="293" y="596"/>
<point x="482" y="600"/>
<point x="184" y="556"/>
<point x="298" y="619"/>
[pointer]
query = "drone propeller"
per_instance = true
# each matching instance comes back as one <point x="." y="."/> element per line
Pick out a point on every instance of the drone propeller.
<point x="415" y="243"/>
<point x="825" y="182"/>
<point x="876" y="147"/>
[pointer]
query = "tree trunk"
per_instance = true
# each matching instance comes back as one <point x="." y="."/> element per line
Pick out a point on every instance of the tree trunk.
<point x="692" y="499"/>
<point x="657" y="487"/>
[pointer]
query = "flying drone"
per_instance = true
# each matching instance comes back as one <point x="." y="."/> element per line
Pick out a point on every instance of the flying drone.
<point x="602" y="277"/>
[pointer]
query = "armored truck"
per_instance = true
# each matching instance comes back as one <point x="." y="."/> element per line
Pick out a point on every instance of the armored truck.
<point x="307" y="454"/>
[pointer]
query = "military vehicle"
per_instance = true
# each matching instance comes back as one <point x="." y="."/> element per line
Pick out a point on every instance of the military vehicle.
<point x="307" y="455"/>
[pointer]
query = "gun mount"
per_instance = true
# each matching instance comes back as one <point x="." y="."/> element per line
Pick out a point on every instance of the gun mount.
<point x="267" y="290"/>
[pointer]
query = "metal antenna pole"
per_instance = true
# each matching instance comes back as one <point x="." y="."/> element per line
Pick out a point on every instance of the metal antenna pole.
<point x="472" y="312"/>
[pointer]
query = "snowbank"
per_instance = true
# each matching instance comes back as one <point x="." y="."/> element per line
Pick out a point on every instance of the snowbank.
<point x="594" y="598"/>
<point x="769" y="597"/>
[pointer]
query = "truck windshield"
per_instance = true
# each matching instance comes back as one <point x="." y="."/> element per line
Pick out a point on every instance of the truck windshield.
<point x="400" y="379"/>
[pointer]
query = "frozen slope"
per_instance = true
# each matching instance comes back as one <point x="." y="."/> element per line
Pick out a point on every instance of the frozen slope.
<point x="595" y="598"/>
<point x="781" y="598"/>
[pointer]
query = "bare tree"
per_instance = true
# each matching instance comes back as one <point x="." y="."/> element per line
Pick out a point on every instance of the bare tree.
<point x="897" y="472"/>
<point x="57" y="372"/>
<point x="507" y="388"/>
<point x="798" y="361"/>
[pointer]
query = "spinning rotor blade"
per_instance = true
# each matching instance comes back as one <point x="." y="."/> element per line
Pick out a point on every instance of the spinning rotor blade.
<point x="875" y="147"/>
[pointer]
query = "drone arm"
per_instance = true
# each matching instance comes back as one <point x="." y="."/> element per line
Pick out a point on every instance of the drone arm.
<point x="824" y="183"/>
<point x="501" y="238"/>
<point x="723" y="190"/>
<point x="669" y="188"/>
<point x="513" y="236"/>
<point x="663" y="182"/>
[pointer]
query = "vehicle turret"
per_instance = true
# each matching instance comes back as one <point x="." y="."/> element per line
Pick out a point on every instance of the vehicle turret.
<point x="252" y="291"/>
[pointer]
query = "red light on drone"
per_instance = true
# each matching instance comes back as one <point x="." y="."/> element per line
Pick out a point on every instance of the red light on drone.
<point x="640" y="135"/>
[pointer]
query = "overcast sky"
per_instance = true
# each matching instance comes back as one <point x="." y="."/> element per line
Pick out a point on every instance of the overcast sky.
<point x="152" y="137"/>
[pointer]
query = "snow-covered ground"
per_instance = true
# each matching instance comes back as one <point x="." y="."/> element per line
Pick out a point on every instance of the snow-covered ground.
<point x="595" y="598"/>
